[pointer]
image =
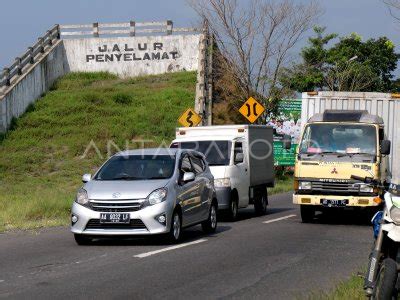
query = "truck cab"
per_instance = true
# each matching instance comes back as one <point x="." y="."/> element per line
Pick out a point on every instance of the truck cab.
<point x="335" y="145"/>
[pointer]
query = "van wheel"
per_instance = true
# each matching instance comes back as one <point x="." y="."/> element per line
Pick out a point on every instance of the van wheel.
<point x="82" y="240"/>
<point x="307" y="213"/>
<point x="175" y="231"/>
<point x="233" y="209"/>
<point x="260" y="204"/>
<point x="210" y="226"/>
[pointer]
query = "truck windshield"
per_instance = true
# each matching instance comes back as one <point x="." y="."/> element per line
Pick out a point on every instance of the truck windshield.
<point x="217" y="153"/>
<point x="137" y="167"/>
<point x="339" y="139"/>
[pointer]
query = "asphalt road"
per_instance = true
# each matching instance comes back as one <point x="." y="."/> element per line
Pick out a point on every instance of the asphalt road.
<point x="269" y="257"/>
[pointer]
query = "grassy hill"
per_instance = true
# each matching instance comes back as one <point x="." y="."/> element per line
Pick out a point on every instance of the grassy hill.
<point x="72" y="129"/>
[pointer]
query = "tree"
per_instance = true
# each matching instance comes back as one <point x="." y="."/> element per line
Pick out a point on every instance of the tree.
<point x="348" y="65"/>
<point x="255" y="38"/>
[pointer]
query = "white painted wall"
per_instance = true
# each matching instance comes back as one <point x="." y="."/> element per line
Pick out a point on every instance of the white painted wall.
<point x="134" y="56"/>
<point x="36" y="81"/>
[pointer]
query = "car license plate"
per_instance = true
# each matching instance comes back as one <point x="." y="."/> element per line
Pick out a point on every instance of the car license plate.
<point x="334" y="203"/>
<point x="114" y="218"/>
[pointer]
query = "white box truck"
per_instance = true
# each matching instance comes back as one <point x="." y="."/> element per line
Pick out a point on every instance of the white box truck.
<point x="344" y="134"/>
<point x="241" y="159"/>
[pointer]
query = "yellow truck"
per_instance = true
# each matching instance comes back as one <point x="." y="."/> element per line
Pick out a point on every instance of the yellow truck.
<point x="345" y="134"/>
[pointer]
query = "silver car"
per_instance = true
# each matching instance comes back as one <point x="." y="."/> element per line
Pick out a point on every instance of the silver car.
<point x="146" y="192"/>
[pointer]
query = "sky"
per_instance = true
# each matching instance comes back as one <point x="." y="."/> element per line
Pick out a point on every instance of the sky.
<point x="23" y="21"/>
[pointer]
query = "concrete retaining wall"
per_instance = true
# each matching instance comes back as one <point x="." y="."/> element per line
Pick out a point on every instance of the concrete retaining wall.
<point x="31" y="85"/>
<point x="134" y="56"/>
<point x="124" y="56"/>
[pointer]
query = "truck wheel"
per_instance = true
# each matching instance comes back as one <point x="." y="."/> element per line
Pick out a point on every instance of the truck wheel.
<point x="260" y="204"/>
<point x="307" y="213"/>
<point x="385" y="287"/>
<point x="82" y="240"/>
<point x="210" y="225"/>
<point x="233" y="208"/>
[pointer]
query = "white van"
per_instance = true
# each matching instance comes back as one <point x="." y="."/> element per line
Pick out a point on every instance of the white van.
<point x="241" y="160"/>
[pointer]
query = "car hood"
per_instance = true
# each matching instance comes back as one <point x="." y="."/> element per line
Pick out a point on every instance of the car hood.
<point x="122" y="189"/>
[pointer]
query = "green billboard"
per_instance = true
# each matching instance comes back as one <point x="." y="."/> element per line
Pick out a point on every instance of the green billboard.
<point x="286" y="122"/>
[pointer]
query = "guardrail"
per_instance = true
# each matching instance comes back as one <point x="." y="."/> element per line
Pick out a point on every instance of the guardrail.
<point x="30" y="56"/>
<point x="131" y="28"/>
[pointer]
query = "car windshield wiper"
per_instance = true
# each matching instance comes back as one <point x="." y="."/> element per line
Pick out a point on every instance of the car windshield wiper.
<point x="126" y="178"/>
<point x="156" y="177"/>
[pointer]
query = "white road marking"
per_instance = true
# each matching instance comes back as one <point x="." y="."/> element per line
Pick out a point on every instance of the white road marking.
<point x="1" y="281"/>
<point x="279" y="219"/>
<point x="147" y="254"/>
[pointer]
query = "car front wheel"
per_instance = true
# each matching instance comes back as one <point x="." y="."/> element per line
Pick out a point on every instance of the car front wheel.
<point x="176" y="228"/>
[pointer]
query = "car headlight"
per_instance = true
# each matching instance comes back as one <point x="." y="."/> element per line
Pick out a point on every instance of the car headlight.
<point x="82" y="197"/>
<point x="395" y="214"/>
<point x="305" y="185"/>
<point x="222" y="182"/>
<point x="364" y="188"/>
<point x="157" y="196"/>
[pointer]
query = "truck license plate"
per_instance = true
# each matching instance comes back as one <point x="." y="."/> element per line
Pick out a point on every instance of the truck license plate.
<point x="334" y="203"/>
<point x="114" y="218"/>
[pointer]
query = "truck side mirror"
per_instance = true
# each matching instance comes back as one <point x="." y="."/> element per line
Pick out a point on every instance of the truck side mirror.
<point x="385" y="147"/>
<point x="239" y="158"/>
<point x="287" y="142"/>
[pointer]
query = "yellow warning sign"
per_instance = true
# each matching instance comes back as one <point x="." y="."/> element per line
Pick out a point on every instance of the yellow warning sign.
<point x="252" y="109"/>
<point x="189" y="118"/>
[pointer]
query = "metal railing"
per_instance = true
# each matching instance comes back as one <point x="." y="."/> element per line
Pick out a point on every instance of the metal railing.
<point x="57" y="32"/>
<point x="131" y="28"/>
<point x="30" y="56"/>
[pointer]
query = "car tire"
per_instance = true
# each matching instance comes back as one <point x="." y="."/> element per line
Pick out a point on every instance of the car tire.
<point x="260" y="204"/>
<point x="175" y="232"/>
<point x="385" y="287"/>
<point x="82" y="240"/>
<point x="307" y="213"/>
<point x="232" y="212"/>
<point x="210" y="225"/>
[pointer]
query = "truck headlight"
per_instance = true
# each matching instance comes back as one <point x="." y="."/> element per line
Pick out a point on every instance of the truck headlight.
<point x="395" y="214"/>
<point x="157" y="196"/>
<point x="82" y="197"/>
<point x="364" y="188"/>
<point x="222" y="182"/>
<point x="305" y="185"/>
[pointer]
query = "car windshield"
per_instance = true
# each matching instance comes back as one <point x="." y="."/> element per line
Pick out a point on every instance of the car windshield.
<point x="339" y="139"/>
<point x="137" y="167"/>
<point x="217" y="153"/>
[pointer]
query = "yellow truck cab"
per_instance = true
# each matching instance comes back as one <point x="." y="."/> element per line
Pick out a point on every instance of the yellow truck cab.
<point x="334" y="145"/>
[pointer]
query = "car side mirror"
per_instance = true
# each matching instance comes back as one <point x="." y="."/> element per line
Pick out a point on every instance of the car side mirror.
<point x="239" y="158"/>
<point x="385" y="147"/>
<point x="287" y="142"/>
<point x="86" y="178"/>
<point x="188" y="176"/>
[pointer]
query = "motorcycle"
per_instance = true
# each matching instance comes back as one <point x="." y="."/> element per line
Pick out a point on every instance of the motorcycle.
<point x="381" y="280"/>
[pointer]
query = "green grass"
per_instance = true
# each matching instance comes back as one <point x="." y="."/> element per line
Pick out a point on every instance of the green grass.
<point x="41" y="161"/>
<point x="349" y="289"/>
<point x="282" y="185"/>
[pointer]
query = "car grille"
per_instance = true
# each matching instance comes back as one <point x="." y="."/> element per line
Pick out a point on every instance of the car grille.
<point x="134" y="224"/>
<point x="116" y="206"/>
<point x="335" y="187"/>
